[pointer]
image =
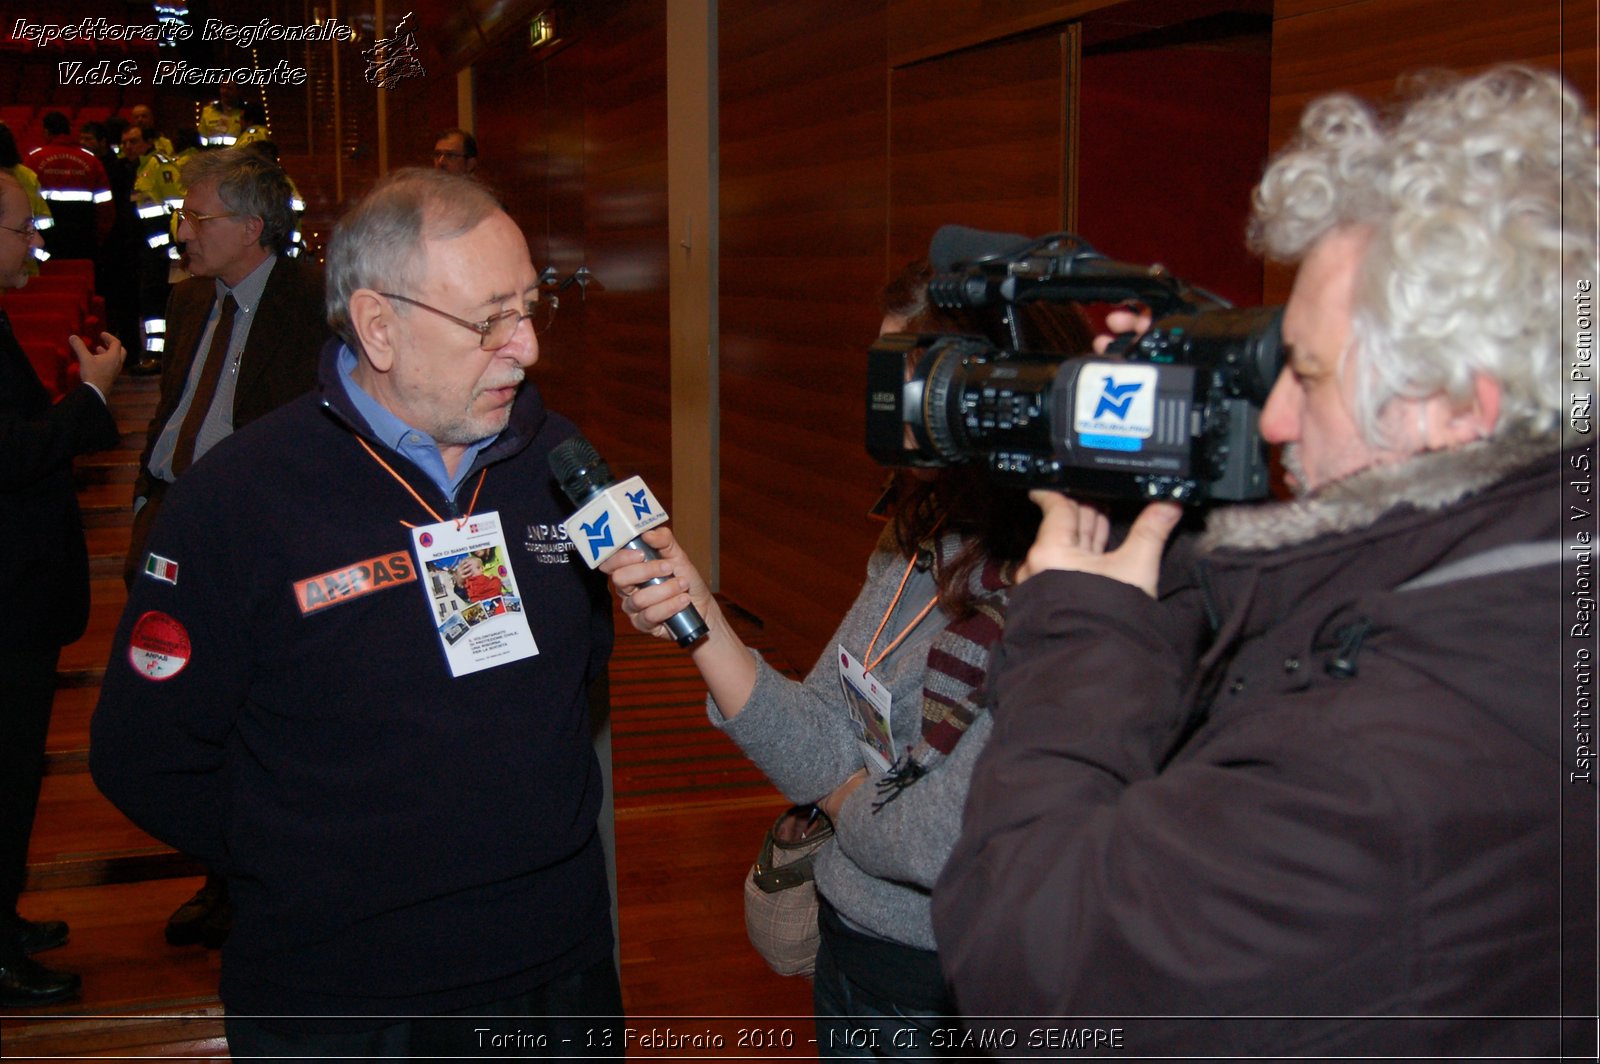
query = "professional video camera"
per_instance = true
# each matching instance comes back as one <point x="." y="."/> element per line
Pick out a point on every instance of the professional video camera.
<point x="1172" y="414"/>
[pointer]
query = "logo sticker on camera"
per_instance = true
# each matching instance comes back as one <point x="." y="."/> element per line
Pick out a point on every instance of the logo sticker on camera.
<point x="1116" y="405"/>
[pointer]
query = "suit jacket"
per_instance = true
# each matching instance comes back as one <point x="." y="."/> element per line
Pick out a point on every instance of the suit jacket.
<point x="280" y="354"/>
<point x="44" y="568"/>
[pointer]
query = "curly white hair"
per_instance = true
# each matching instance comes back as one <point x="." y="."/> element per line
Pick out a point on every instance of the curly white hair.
<point x="1481" y="198"/>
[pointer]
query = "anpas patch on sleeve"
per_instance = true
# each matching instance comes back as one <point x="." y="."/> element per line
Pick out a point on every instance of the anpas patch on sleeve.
<point x="158" y="647"/>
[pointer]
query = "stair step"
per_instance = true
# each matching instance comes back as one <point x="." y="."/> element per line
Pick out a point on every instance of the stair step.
<point x="105" y="566"/>
<point x="194" y="1030"/>
<point x="84" y="661"/>
<point x="131" y="387"/>
<point x="81" y="840"/>
<point x="141" y="405"/>
<point x="106" y="467"/>
<point x="67" y="748"/>
<point x="108" y="545"/>
<point x="137" y="990"/>
<point x="106" y="505"/>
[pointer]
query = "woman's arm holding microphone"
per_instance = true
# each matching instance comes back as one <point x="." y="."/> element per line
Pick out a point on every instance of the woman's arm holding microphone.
<point x="724" y="661"/>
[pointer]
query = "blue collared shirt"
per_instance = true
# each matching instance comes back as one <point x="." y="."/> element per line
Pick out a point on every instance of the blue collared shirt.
<point x="414" y="444"/>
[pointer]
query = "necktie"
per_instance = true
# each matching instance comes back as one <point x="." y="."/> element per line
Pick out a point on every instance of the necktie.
<point x="206" y="391"/>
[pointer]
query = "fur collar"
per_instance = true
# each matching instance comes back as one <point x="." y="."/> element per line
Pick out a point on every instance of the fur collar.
<point x="1430" y="481"/>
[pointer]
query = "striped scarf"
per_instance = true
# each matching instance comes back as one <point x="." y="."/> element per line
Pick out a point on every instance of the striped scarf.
<point x="953" y="682"/>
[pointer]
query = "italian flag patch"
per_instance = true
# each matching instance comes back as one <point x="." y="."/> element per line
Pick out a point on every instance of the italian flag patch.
<point x="161" y="568"/>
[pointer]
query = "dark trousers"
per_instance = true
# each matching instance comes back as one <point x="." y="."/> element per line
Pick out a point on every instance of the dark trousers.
<point x="26" y="693"/>
<point x="153" y="266"/>
<point x="576" y="1015"/>
<point x="878" y="999"/>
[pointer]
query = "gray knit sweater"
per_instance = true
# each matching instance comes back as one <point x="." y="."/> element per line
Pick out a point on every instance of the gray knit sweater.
<point x="881" y="867"/>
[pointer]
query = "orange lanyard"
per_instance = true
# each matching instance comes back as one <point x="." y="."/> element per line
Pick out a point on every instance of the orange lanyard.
<point x="471" y="506"/>
<point x="873" y="663"/>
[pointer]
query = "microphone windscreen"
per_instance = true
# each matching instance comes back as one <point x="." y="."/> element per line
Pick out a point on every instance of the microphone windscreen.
<point x="579" y="469"/>
<point x="955" y="244"/>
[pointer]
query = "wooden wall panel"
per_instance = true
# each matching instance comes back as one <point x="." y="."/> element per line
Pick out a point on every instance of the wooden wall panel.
<point x="1363" y="46"/>
<point x="849" y="133"/>
<point x="920" y="29"/>
<point x="621" y="165"/>
<point x="979" y="138"/>
<point x="576" y="146"/>
<point x="1170" y="144"/>
<point x="803" y="183"/>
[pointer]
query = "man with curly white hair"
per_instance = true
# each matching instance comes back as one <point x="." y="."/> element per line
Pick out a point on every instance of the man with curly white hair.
<point x="1307" y="784"/>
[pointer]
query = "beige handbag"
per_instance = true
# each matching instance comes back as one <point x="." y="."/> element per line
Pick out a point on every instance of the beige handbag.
<point x="780" y="898"/>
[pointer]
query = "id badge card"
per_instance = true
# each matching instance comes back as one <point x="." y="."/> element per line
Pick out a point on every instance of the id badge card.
<point x="472" y="596"/>
<point x="868" y="702"/>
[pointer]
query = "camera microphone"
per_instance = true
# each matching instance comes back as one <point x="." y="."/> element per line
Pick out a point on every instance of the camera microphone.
<point x="955" y="245"/>
<point x="611" y="517"/>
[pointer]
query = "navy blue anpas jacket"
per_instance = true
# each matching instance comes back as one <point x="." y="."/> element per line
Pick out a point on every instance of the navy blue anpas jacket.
<point x="398" y="841"/>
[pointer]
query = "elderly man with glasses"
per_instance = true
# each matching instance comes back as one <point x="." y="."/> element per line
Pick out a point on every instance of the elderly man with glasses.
<point x="404" y="796"/>
<point x="244" y="331"/>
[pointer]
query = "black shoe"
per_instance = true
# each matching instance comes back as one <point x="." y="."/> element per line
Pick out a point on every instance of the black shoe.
<point x="27" y="983"/>
<point x="145" y="367"/>
<point x="36" y="936"/>
<point x="192" y="923"/>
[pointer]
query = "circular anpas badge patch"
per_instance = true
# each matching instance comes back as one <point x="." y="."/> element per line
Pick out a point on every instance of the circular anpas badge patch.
<point x="158" y="649"/>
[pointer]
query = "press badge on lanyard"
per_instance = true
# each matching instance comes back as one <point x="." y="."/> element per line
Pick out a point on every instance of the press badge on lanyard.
<point x="869" y="703"/>
<point x="868" y="700"/>
<point x="473" y="601"/>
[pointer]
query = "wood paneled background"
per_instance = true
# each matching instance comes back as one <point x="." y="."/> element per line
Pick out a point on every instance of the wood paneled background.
<point x="849" y="131"/>
<point x="1364" y="46"/>
<point x="804" y="176"/>
<point x="981" y="137"/>
<point x="576" y="144"/>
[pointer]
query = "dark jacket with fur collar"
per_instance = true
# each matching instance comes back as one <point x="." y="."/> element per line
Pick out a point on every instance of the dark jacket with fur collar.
<point x="1340" y="824"/>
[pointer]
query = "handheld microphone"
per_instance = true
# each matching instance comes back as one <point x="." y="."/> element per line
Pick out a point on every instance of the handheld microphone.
<point x="610" y="518"/>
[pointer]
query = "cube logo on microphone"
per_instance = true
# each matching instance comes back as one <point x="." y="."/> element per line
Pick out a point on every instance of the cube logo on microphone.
<point x="612" y="519"/>
<point x="641" y="502"/>
<point x="598" y="533"/>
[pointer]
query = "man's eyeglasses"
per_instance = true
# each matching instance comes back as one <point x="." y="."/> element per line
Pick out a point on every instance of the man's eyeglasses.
<point x="451" y="155"/>
<point x="496" y="331"/>
<point x="184" y="214"/>
<point x="27" y="232"/>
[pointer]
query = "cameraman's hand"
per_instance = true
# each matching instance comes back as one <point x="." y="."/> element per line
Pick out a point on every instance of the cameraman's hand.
<point x="1122" y="320"/>
<point x="1072" y="537"/>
